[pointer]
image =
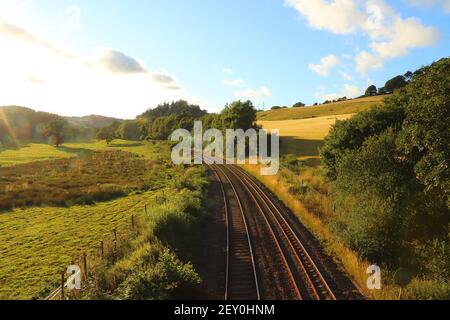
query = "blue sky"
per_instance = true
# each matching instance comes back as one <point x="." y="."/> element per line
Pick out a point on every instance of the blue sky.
<point x="273" y="52"/>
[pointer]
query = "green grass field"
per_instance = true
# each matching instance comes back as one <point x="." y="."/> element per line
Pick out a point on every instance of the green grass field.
<point x="38" y="243"/>
<point x="338" y="108"/>
<point x="40" y="152"/>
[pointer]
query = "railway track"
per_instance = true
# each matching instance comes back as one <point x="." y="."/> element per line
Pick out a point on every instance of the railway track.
<point x="241" y="276"/>
<point x="299" y="268"/>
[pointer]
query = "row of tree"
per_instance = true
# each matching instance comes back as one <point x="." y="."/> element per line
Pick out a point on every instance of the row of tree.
<point x="160" y="122"/>
<point x="391" y="85"/>
<point x="19" y="125"/>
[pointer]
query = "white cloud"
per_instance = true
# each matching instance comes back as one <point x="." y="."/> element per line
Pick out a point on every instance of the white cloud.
<point x="326" y="64"/>
<point x="390" y="36"/>
<point x="37" y="74"/>
<point x="237" y="82"/>
<point x="366" y="61"/>
<point x="441" y="4"/>
<point x="346" y="76"/>
<point x="227" y="71"/>
<point x="349" y="91"/>
<point x="337" y="16"/>
<point x="264" y="92"/>
<point x="403" y="36"/>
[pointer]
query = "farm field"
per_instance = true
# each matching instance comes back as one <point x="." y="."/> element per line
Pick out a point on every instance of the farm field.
<point x="338" y="108"/>
<point x="37" y="242"/>
<point x="302" y="138"/>
<point x="39" y="152"/>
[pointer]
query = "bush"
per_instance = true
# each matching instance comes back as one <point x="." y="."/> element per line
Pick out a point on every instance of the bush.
<point x="422" y="289"/>
<point x="166" y="279"/>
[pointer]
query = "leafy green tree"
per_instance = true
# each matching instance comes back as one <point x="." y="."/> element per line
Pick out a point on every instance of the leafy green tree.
<point x="55" y="131"/>
<point x="395" y="83"/>
<point x="371" y="91"/>
<point x="299" y="105"/>
<point x="391" y="172"/>
<point x="425" y="136"/>
<point x="129" y="130"/>
<point x="176" y="107"/>
<point x="373" y="198"/>
<point x="239" y="115"/>
<point x="349" y="135"/>
<point x="108" y="133"/>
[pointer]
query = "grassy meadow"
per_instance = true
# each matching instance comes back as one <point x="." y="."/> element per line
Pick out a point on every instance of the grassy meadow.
<point x="31" y="152"/>
<point x="39" y="239"/>
<point x="337" y="108"/>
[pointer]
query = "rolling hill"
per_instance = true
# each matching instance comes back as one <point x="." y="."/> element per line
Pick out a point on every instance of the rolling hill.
<point x="302" y="130"/>
<point x="337" y="108"/>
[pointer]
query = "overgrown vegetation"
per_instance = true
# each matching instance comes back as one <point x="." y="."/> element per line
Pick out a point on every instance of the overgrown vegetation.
<point x="150" y="269"/>
<point x="390" y="172"/>
<point x="38" y="243"/>
<point x="98" y="176"/>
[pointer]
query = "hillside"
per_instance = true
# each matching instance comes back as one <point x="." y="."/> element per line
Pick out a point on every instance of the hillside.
<point x="337" y="108"/>
<point x="92" y="121"/>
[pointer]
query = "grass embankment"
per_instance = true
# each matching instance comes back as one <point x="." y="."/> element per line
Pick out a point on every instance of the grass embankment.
<point x="337" y="108"/>
<point x="315" y="219"/>
<point x="152" y="267"/>
<point x="38" y="243"/>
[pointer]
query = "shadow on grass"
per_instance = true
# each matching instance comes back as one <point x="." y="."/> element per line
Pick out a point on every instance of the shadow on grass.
<point x="78" y="151"/>
<point x="300" y="147"/>
<point x="126" y="145"/>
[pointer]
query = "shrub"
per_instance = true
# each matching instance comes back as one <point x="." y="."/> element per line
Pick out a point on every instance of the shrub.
<point x="167" y="279"/>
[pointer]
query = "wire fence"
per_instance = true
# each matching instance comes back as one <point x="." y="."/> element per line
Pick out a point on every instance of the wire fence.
<point x="108" y="250"/>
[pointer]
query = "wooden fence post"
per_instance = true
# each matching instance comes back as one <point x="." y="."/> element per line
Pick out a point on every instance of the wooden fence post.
<point x="115" y="241"/>
<point x="132" y="222"/>
<point x="146" y="210"/>
<point x="85" y="266"/>
<point x="63" y="275"/>
<point x="102" y="249"/>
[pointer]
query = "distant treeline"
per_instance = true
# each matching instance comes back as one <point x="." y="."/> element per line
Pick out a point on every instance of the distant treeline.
<point x="160" y="122"/>
<point x="20" y="125"/>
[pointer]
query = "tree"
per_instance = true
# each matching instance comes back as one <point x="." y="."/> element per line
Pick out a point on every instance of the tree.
<point x="299" y="105"/>
<point x="108" y="133"/>
<point x="425" y="138"/>
<point x="373" y="197"/>
<point x="408" y="76"/>
<point x="371" y="91"/>
<point x="55" y="131"/>
<point x="176" y="107"/>
<point x="349" y="135"/>
<point x="239" y="115"/>
<point x="390" y="170"/>
<point x="382" y="90"/>
<point x="395" y="83"/>
<point x="129" y="130"/>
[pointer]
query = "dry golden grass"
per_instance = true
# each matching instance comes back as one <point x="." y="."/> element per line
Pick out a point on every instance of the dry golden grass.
<point x="304" y="137"/>
<point x="353" y="265"/>
<point x="344" y="107"/>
